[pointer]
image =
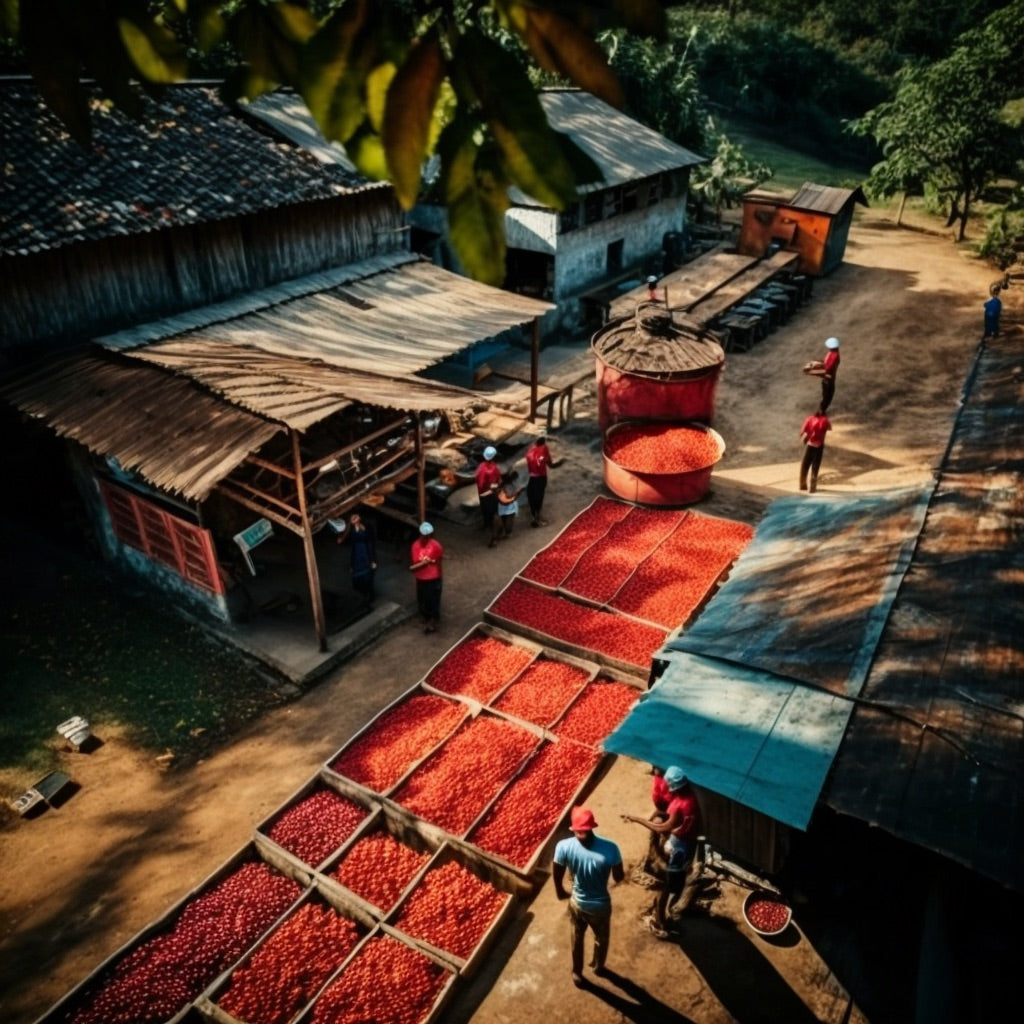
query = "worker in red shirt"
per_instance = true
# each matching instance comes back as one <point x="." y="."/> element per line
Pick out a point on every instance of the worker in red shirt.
<point x="812" y="433"/>
<point x="826" y="369"/>
<point x="538" y="458"/>
<point x="425" y="565"/>
<point x="679" y="828"/>
<point x="488" y="482"/>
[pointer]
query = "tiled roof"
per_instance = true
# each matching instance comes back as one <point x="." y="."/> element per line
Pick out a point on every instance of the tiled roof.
<point x="190" y="159"/>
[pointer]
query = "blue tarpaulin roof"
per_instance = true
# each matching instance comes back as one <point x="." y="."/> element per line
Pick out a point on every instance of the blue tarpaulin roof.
<point x="755" y="698"/>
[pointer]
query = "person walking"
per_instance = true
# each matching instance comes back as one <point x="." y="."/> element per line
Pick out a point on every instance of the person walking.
<point x="538" y="459"/>
<point x="812" y="433"/>
<point x="590" y="860"/>
<point x="679" y="826"/>
<point x="993" y="312"/>
<point x="425" y="565"/>
<point x="826" y="369"/>
<point x="508" y="506"/>
<point x="363" y="550"/>
<point x="488" y="481"/>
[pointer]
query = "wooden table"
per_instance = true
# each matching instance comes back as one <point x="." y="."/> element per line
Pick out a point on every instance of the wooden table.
<point x="739" y="287"/>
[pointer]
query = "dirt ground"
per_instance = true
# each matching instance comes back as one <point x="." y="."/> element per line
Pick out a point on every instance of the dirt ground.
<point x="83" y="879"/>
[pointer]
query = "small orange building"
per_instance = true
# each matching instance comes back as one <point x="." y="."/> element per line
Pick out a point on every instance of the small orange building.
<point x="815" y="223"/>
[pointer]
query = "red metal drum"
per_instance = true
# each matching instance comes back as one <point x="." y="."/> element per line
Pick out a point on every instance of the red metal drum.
<point x="656" y="366"/>
<point x="661" y="463"/>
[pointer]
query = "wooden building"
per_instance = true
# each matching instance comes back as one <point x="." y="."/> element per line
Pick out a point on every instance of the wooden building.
<point x="815" y="223"/>
<point x="224" y="331"/>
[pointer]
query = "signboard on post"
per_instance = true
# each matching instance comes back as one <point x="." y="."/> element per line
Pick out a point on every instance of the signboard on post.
<point x="251" y="537"/>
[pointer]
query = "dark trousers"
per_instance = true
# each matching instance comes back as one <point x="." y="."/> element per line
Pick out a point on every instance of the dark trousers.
<point x="809" y="466"/>
<point x="364" y="584"/>
<point x="828" y="390"/>
<point x="488" y="508"/>
<point x="535" y="488"/>
<point x="428" y="598"/>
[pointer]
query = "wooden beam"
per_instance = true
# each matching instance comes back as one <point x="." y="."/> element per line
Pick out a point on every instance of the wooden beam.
<point x="315" y="593"/>
<point x="534" y="368"/>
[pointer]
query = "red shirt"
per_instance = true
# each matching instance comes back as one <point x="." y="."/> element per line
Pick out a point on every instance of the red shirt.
<point x="427" y="547"/>
<point x="814" y="430"/>
<point x="661" y="796"/>
<point x="488" y="476"/>
<point x="684" y="803"/>
<point x="538" y="458"/>
<point x="831" y="363"/>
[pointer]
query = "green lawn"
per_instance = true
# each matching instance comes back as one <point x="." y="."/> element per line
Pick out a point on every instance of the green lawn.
<point x="792" y="167"/>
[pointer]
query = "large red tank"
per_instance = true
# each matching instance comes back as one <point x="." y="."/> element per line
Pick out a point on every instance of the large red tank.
<point x="654" y="365"/>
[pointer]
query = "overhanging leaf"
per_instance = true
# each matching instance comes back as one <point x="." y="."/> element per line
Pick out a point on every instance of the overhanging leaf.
<point x="476" y="205"/>
<point x="335" y="63"/>
<point x="510" y="105"/>
<point x="154" y="51"/>
<point x="366" y="150"/>
<point x="377" y="83"/>
<point x="564" y="48"/>
<point x="409" y="116"/>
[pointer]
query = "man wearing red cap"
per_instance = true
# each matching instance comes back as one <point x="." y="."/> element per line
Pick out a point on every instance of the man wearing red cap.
<point x="590" y="860"/>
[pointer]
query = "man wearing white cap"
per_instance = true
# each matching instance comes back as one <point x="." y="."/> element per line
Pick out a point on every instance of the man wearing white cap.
<point x="488" y="482"/>
<point x="590" y="860"/>
<point x="425" y="565"/>
<point x="826" y="369"/>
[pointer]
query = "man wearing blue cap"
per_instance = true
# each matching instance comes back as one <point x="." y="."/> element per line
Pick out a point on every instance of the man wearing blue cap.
<point x="425" y="565"/>
<point x="680" y="827"/>
<point x="488" y="482"/>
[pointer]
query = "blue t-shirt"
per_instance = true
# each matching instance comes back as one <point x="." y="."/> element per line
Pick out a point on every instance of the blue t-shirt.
<point x="590" y="867"/>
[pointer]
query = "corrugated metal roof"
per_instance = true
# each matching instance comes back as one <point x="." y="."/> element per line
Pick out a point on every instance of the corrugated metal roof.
<point x="825" y="198"/>
<point x="189" y="159"/>
<point x="284" y="112"/>
<point x="163" y="427"/>
<point x="944" y="767"/>
<point x="156" y="415"/>
<point x="295" y="391"/>
<point x="781" y="652"/>
<point x="624" y="149"/>
<point x="808" y="597"/>
<point x="391" y="317"/>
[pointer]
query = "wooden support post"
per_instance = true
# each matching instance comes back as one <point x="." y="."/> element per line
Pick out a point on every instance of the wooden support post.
<point x="316" y="596"/>
<point x="534" y="368"/>
<point x="421" y="484"/>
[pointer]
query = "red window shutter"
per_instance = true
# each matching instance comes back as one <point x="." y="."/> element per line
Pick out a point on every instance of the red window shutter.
<point x="182" y="546"/>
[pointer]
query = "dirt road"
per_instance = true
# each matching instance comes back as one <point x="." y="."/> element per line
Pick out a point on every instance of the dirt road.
<point x="79" y="882"/>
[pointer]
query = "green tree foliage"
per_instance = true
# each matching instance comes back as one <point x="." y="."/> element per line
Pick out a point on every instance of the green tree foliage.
<point x="721" y="183"/>
<point x="771" y="73"/>
<point x="661" y="84"/>
<point x="945" y="130"/>
<point x="392" y="80"/>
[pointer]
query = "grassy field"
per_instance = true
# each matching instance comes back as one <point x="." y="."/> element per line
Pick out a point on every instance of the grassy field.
<point x="792" y="167"/>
